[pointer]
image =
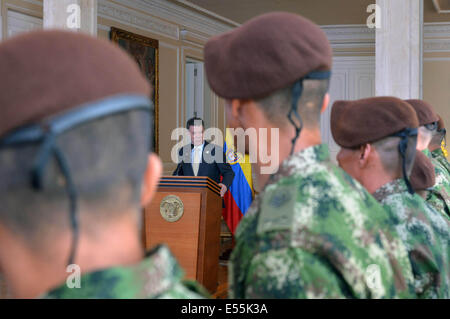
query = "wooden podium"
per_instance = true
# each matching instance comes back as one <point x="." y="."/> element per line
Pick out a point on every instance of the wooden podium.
<point x="193" y="237"/>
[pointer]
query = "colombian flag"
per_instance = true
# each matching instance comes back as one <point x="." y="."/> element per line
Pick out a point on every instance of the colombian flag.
<point x="240" y="195"/>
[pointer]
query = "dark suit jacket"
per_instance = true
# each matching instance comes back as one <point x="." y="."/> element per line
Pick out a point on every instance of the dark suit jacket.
<point x="213" y="170"/>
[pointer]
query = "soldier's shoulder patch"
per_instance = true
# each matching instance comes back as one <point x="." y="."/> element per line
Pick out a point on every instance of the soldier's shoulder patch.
<point x="277" y="209"/>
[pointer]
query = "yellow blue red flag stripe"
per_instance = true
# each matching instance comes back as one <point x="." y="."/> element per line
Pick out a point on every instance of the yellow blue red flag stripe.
<point x="240" y="195"/>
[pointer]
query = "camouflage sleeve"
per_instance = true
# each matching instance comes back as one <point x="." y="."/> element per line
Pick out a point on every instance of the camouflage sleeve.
<point x="185" y="290"/>
<point x="292" y="273"/>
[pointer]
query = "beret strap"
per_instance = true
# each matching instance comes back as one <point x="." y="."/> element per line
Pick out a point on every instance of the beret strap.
<point x="402" y="148"/>
<point x="47" y="133"/>
<point x="297" y="91"/>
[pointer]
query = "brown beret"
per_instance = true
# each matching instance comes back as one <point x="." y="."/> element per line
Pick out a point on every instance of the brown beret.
<point x="441" y="124"/>
<point x="425" y="112"/>
<point x="266" y="54"/>
<point x="46" y="72"/>
<point x="354" y="123"/>
<point x="422" y="175"/>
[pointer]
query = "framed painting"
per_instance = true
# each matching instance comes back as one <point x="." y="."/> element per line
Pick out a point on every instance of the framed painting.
<point x="145" y="52"/>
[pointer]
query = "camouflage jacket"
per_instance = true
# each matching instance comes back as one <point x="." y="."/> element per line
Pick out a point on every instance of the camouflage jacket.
<point x="438" y="196"/>
<point x="314" y="232"/>
<point x="157" y="276"/>
<point x="439" y="199"/>
<point x="438" y="155"/>
<point x="426" y="235"/>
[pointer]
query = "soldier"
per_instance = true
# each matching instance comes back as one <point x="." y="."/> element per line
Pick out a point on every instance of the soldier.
<point x="74" y="151"/>
<point x="378" y="146"/>
<point x="439" y="196"/>
<point x="422" y="176"/>
<point x="312" y="232"/>
<point x="437" y="145"/>
<point x="423" y="179"/>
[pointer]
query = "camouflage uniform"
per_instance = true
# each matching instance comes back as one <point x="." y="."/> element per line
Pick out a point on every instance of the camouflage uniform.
<point x="438" y="155"/>
<point x="426" y="235"/>
<point x="315" y="233"/>
<point x="442" y="175"/>
<point x="439" y="195"/>
<point x="439" y="199"/>
<point x="157" y="276"/>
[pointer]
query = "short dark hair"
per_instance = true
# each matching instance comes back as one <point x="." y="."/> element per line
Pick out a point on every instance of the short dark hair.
<point x="391" y="158"/>
<point x="194" y="122"/>
<point x="278" y="104"/>
<point x="107" y="159"/>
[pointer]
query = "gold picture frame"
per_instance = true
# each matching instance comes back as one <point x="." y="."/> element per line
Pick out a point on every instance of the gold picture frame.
<point x="145" y="51"/>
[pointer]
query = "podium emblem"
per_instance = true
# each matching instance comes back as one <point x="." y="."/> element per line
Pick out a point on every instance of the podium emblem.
<point x="171" y="208"/>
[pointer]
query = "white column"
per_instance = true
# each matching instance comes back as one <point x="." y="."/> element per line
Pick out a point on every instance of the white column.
<point x="399" y="49"/>
<point x="76" y="15"/>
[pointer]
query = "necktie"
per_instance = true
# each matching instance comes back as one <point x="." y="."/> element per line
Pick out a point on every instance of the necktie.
<point x="197" y="158"/>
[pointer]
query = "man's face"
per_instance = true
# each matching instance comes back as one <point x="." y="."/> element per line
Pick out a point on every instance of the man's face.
<point x="348" y="161"/>
<point x="196" y="133"/>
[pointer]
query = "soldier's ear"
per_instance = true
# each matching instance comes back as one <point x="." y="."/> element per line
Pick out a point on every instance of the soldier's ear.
<point x="326" y="101"/>
<point x="233" y="110"/>
<point x="364" y="154"/>
<point x="150" y="179"/>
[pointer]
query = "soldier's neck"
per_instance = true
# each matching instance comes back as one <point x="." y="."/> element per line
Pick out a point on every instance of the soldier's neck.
<point x="308" y="138"/>
<point x="117" y="244"/>
<point x="109" y="244"/>
<point x="433" y="147"/>
<point x="33" y="271"/>
<point x="378" y="178"/>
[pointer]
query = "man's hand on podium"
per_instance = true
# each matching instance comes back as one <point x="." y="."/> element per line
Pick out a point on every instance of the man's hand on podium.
<point x="223" y="189"/>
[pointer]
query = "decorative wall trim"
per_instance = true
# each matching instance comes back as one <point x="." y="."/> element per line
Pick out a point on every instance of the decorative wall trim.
<point x="436" y="59"/>
<point x="349" y="33"/>
<point x="20" y="22"/>
<point x="169" y="11"/>
<point x="439" y="8"/>
<point x="198" y="24"/>
<point x="350" y="37"/>
<point x="189" y="48"/>
<point x="348" y="61"/>
<point x="437" y="29"/>
<point x="183" y="16"/>
<point x="193" y="38"/>
<point x="121" y="14"/>
<point x="24" y="20"/>
<point x="436" y="37"/>
<point x="23" y="10"/>
<point x="436" y="45"/>
<point x="152" y="15"/>
<point x="35" y="2"/>
<point x="104" y="27"/>
<point x="209" y="13"/>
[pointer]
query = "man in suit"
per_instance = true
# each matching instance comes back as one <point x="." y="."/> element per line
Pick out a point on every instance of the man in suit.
<point x="204" y="159"/>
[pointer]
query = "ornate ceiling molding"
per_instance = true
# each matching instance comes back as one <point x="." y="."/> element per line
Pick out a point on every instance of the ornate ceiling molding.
<point x="436" y="37"/>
